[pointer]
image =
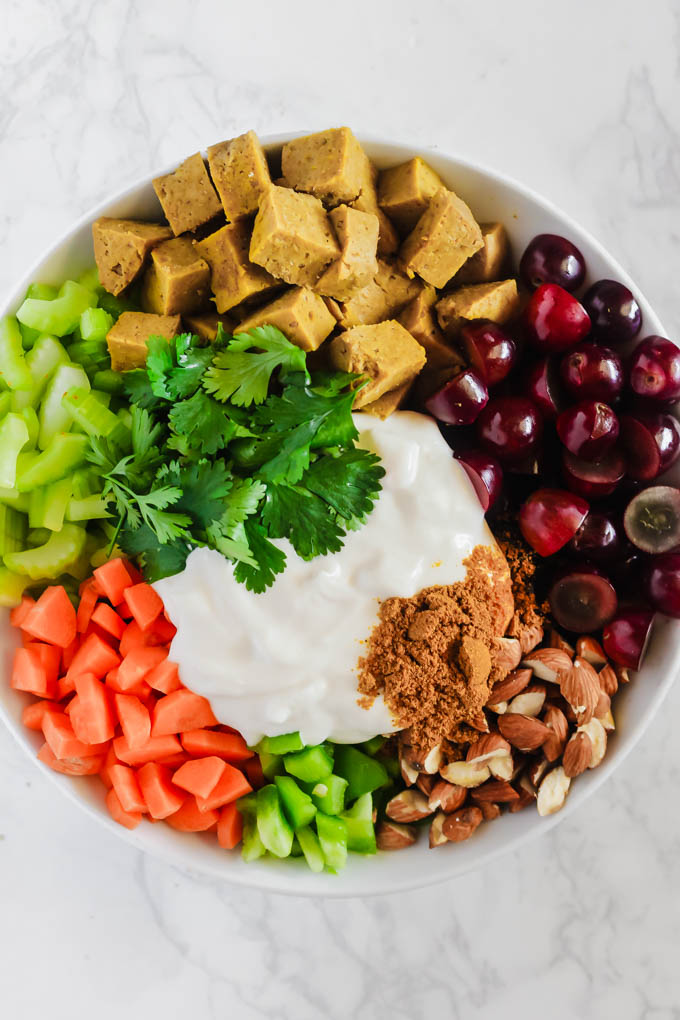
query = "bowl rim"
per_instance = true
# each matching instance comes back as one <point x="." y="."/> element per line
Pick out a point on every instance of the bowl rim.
<point x="279" y="880"/>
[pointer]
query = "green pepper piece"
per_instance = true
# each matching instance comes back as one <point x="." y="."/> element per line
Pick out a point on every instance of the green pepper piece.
<point x="362" y="773"/>
<point x="329" y="794"/>
<point x="272" y="825"/>
<point x="373" y="745"/>
<point x="284" y="744"/>
<point x="333" y="839"/>
<point x="311" y="848"/>
<point x="271" y="764"/>
<point x="360" y="827"/>
<point x="13" y="437"/>
<point x="296" y="803"/>
<point x="311" y="765"/>
<point x="13" y="368"/>
<point x="252" y="846"/>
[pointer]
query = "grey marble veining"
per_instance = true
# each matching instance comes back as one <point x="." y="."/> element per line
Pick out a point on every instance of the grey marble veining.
<point x="579" y="101"/>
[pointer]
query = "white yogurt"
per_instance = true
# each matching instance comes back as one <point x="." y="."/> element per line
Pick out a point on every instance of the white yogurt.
<point x="286" y="659"/>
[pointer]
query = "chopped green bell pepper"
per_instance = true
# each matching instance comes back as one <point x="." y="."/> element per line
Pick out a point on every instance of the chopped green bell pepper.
<point x="360" y="827"/>
<point x="363" y="774"/>
<point x="252" y="846"/>
<point x="329" y="794"/>
<point x="284" y="744"/>
<point x="311" y="765"/>
<point x="296" y="803"/>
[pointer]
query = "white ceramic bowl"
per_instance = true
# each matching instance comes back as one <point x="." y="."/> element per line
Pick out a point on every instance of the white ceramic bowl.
<point x="491" y="196"/>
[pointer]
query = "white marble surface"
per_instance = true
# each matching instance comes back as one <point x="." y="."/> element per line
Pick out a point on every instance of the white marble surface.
<point x="579" y="100"/>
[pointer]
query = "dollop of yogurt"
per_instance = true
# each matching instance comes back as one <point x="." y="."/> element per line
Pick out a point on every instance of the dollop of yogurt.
<point x="287" y="659"/>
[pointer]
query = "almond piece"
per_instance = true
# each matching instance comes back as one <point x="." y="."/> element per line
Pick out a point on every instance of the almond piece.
<point x="604" y="704"/>
<point x="426" y="783"/>
<point x="463" y="773"/>
<point x="577" y="754"/>
<point x="408" y="806"/>
<point x="437" y="837"/>
<point x="529" y="638"/>
<point x="591" y="650"/>
<point x="523" y="732"/>
<point x="486" y="747"/>
<point x="490" y="811"/>
<point x="608" y="721"/>
<point x="503" y="766"/>
<point x="622" y="674"/>
<point x="547" y="663"/>
<point x="556" y="721"/>
<point x="529" y="702"/>
<point x="608" y="680"/>
<point x="597" y="735"/>
<point x="447" y="797"/>
<point x="421" y="761"/>
<point x="408" y="774"/>
<point x="537" y="770"/>
<point x="506" y="653"/>
<point x="461" y="824"/>
<point x="499" y="708"/>
<point x="480" y="723"/>
<point x="392" y="836"/>
<point x="495" y="791"/>
<point x="557" y="641"/>
<point x="580" y="687"/>
<point x="553" y="791"/>
<point x="525" y="797"/>
<point x="513" y="684"/>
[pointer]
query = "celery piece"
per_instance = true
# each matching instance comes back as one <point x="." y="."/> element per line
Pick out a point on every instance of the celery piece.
<point x="12" y="530"/>
<point x="57" y="496"/>
<point x="93" y="355"/>
<point x="125" y="417"/>
<point x="12" y="588"/>
<point x="54" y="418"/>
<point x="272" y="825"/>
<point x="85" y="482"/>
<point x="63" y="455"/>
<point x="92" y="416"/>
<point x="13" y="368"/>
<point x="329" y="795"/>
<point x="53" y="558"/>
<point x="115" y="306"/>
<point x="90" y="280"/>
<point x="42" y="291"/>
<point x="16" y="499"/>
<point x="373" y="745"/>
<point x="13" y="437"/>
<point x="252" y="846"/>
<point x="311" y="765"/>
<point x="311" y="848"/>
<point x="43" y="360"/>
<point x="61" y="315"/>
<point x="297" y="804"/>
<point x="36" y="537"/>
<point x="363" y="774"/>
<point x="271" y="764"/>
<point x="283" y="744"/>
<point x="33" y="426"/>
<point x="332" y="834"/>
<point x="89" y="508"/>
<point x="360" y="827"/>
<point x="95" y="324"/>
<point x="102" y="396"/>
<point x="109" y="381"/>
<point x="36" y="508"/>
<point x="6" y="401"/>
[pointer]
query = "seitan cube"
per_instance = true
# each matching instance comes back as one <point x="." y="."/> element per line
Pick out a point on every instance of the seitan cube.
<point x="357" y="234"/>
<point x="292" y="237"/>
<point x="445" y="236"/>
<point x="385" y="352"/>
<point x="300" y="314"/>
<point x="121" y="248"/>
<point x="380" y="299"/>
<point x="178" y="279"/>
<point x="331" y="165"/>
<point x="404" y="192"/>
<point x="498" y="302"/>
<point x="367" y="201"/>
<point x="488" y="263"/>
<point x="234" y="278"/>
<point x="391" y="401"/>
<point x="128" y="336"/>
<point x="240" y="173"/>
<point x="187" y="195"/>
<point x="418" y="318"/>
<point x="205" y="325"/>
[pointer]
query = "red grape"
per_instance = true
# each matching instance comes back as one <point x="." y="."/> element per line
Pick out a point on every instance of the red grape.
<point x="655" y="369"/>
<point x="582" y="599"/>
<point x="549" y="258"/>
<point x="550" y="518"/>
<point x="626" y="636"/>
<point x="555" y="320"/>
<point x="589" y="429"/>
<point x="652" y="519"/>
<point x="510" y="428"/>
<point x="460" y="400"/>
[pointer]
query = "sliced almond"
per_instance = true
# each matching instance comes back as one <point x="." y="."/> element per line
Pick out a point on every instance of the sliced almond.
<point x="421" y="761"/>
<point x="425" y="783"/>
<point x="437" y="837"/>
<point x="408" y="773"/>
<point x="529" y="702"/>
<point x="480" y="723"/>
<point x="556" y="721"/>
<point x="547" y="663"/>
<point x="490" y="811"/>
<point x="447" y="797"/>
<point x="580" y="687"/>
<point x="522" y="731"/>
<point x="513" y="684"/>
<point x="506" y="653"/>
<point x="461" y="824"/>
<point x="503" y="766"/>
<point x="530" y="637"/>
<point x="553" y="791"/>
<point x="603" y="706"/>
<point x="499" y="707"/>
<point x="464" y="773"/>
<point x="490" y="745"/>
<point x="591" y="650"/>
<point x="597" y="736"/>
<point x="408" y="806"/>
<point x="608" y="721"/>
<point x="525" y="797"/>
<point x="495" y="791"/>
<point x="622" y="674"/>
<point x="608" y="680"/>
<point x="557" y="641"/>
<point x="577" y="754"/>
<point x="392" y="836"/>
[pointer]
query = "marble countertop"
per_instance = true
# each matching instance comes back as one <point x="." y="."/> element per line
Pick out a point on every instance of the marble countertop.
<point x="577" y="100"/>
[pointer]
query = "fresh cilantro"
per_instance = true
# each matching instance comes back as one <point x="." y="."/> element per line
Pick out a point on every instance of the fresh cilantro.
<point x="242" y="501"/>
<point x="302" y="517"/>
<point x="192" y="361"/>
<point x="156" y="560"/>
<point x="160" y="362"/>
<point x="203" y="487"/>
<point x="203" y="423"/>
<point x="138" y="388"/>
<point x="292" y="458"/>
<point x="349" y="482"/>
<point x="269" y="558"/>
<point x="243" y="371"/>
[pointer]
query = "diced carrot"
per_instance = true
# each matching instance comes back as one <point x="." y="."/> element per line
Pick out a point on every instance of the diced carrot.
<point x="190" y="819"/>
<point x="20" y="612"/>
<point x="73" y="765"/>
<point x="160" y="796"/>
<point x="135" y="575"/>
<point x="89" y="594"/>
<point x="181" y="710"/>
<point x="105" y="771"/>
<point x="199" y="776"/>
<point x="125" y="784"/>
<point x="50" y="657"/>
<point x="32" y="715"/>
<point x="155" y="749"/>
<point x="230" y="827"/>
<point x="164" y="677"/>
<point x="253" y="770"/>
<point x="91" y="716"/>
<point x="138" y="663"/>
<point x="65" y="685"/>
<point x="29" y="674"/>
<point x="130" y="819"/>
<point x="144" y="604"/>
<point x="27" y="640"/>
<point x="231" y="785"/>
<point x="94" y="656"/>
<point x="68" y="707"/>
<point x="174" y="761"/>
<point x="135" y="637"/>
<point x="134" y="720"/>
<point x="108" y="620"/>
<point x="163" y="630"/>
<point x="68" y="653"/>
<point x="140" y="690"/>
<point x="113" y="578"/>
<point x="63" y="742"/>
<point x="123" y="611"/>
<point x="230" y="746"/>
<point x="52" y="618"/>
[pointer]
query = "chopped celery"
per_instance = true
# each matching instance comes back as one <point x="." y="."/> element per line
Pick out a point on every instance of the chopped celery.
<point x="13" y="437"/>
<point x="57" y="496"/>
<point x="102" y="396"/>
<point x="95" y="324"/>
<point x="90" y="279"/>
<point x="360" y="827"/>
<point x="43" y="360"/>
<point x="333" y="839"/>
<point x="60" y="315"/>
<point x="64" y="454"/>
<point x="109" y="381"/>
<point x="54" y="418"/>
<point x="271" y="764"/>
<point x="89" y="508"/>
<point x="33" y="426"/>
<point x="92" y="416"/>
<point x="85" y="483"/>
<point x="12" y="588"/>
<point x="115" y="306"/>
<point x="297" y="804"/>
<point x="42" y="291"/>
<point x="36" y="537"/>
<point x="6" y="401"/>
<point x="329" y="794"/>
<point x="12" y="530"/>
<point x="13" y="367"/>
<point x="93" y="355"/>
<point x="362" y="773"/>
<point x="273" y="827"/>
<point x="36" y="507"/>
<point x="16" y="499"/>
<point x="311" y="765"/>
<point x="125" y="417"/>
<point x="283" y="744"/>
<point x="311" y="848"/>
<point x="252" y="846"/>
<point x="53" y="558"/>
<point x="373" y="745"/>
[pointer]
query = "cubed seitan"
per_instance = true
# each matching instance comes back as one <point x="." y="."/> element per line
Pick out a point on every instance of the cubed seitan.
<point x="240" y="173"/>
<point x="300" y="314"/>
<point x="205" y="325"/>
<point x="380" y="299"/>
<point x="445" y="236"/>
<point x="128" y="336"/>
<point x="328" y="164"/>
<point x="385" y="352"/>
<point x="357" y="234"/>
<point x="187" y="196"/>
<point x="391" y="401"/>
<point x="121" y="248"/>
<point x="177" y="280"/>
<point x="488" y="263"/>
<point x="404" y="192"/>
<point x="233" y="277"/>
<point x="498" y="302"/>
<point x="367" y="201"/>
<point x="292" y="237"/>
<point x="419" y="319"/>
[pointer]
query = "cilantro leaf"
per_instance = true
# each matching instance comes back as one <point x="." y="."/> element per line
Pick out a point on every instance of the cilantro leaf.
<point x="138" y="388"/>
<point x="152" y="508"/>
<point x="145" y="433"/>
<point x="157" y="560"/>
<point x="204" y="424"/>
<point x="270" y="560"/>
<point x="203" y="487"/>
<point x="192" y="361"/>
<point x="350" y="482"/>
<point x="242" y="501"/>
<point x="331" y="413"/>
<point x="235" y="546"/>
<point x="159" y="364"/>
<point x="302" y="517"/>
<point x="242" y="372"/>
<point x="292" y="458"/>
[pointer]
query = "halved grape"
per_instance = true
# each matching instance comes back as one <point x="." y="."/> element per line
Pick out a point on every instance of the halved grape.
<point x="626" y="636"/>
<point x="663" y="583"/>
<point x="651" y="442"/>
<point x="652" y="519"/>
<point x="582" y="599"/>
<point x="550" y="518"/>
<point x="594" y="481"/>
<point x="485" y="473"/>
